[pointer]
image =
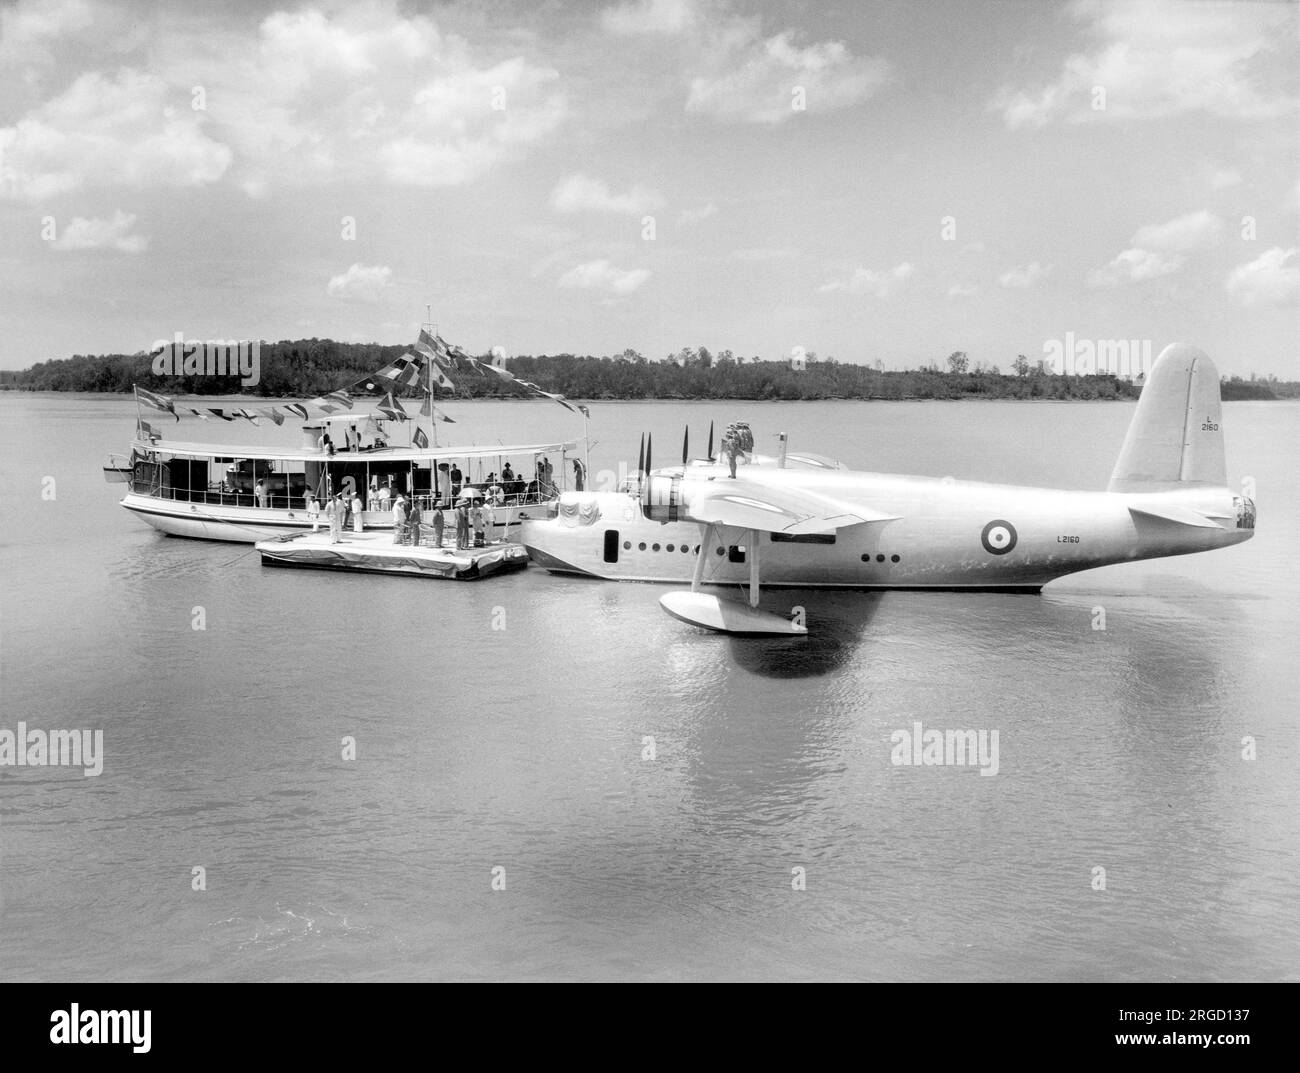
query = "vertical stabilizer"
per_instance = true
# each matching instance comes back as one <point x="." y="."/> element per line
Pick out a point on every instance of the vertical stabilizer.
<point x="1176" y="437"/>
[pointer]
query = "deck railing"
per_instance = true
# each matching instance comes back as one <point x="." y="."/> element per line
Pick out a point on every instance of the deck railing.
<point x="218" y="496"/>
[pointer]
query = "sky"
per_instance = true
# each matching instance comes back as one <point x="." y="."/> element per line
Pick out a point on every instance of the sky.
<point x="873" y="181"/>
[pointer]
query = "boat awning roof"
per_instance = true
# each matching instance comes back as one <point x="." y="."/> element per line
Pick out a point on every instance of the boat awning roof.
<point x="381" y="454"/>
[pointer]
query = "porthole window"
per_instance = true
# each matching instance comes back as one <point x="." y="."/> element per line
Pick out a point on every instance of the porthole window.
<point x="880" y="558"/>
<point x="641" y="546"/>
<point x="670" y="548"/>
<point x="627" y="545"/>
<point x="685" y="550"/>
<point x="654" y="547"/>
<point x="866" y="558"/>
<point x="719" y="551"/>
<point x="893" y="558"/>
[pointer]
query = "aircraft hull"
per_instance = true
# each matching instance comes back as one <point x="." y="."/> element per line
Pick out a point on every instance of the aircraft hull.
<point x="948" y="535"/>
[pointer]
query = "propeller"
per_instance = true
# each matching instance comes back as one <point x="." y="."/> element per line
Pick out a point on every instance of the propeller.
<point x="686" y="444"/>
<point x="640" y="461"/>
<point x="645" y="483"/>
<point x="711" y="458"/>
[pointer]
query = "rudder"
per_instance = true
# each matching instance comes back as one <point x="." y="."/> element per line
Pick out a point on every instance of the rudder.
<point x="1176" y="436"/>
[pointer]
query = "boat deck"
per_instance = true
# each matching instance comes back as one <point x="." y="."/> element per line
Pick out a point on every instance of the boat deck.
<point x="375" y="553"/>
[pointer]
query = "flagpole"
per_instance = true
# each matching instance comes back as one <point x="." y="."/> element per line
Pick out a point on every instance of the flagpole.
<point x="428" y="376"/>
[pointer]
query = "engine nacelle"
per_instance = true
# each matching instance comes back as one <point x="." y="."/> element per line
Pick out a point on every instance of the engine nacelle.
<point x="663" y="498"/>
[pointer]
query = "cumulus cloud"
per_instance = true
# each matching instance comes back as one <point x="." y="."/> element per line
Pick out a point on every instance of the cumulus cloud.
<point x="867" y="281"/>
<point x="1134" y="266"/>
<point x="1195" y="231"/>
<point x="1156" y="58"/>
<point x="603" y="276"/>
<point x="1273" y="278"/>
<point x="1026" y="276"/>
<point x="362" y="93"/>
<point x="109" y="131"/>
<point x="84" y="233"/>
<point x="757" y="80"/>
<point x="364" y="282"/>
<point x="582" y="193"/>
<point x="1159" y="249"/>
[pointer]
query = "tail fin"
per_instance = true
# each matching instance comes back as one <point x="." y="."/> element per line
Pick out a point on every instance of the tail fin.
<point x="1176" y="438"/>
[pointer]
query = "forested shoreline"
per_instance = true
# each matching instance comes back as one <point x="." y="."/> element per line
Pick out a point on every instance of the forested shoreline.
<point x="309" y="367"/>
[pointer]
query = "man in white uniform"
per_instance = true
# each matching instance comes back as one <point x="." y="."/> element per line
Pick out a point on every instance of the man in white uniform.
<point x="399" y="518"/>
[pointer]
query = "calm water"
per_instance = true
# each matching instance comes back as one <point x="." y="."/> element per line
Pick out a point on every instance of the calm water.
<point x="521" y="748"/>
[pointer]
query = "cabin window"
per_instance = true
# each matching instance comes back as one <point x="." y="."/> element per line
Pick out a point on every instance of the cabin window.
<point x="611" y="545"/>
<point x="803" y="538"/>
<point x="736" y="553"/>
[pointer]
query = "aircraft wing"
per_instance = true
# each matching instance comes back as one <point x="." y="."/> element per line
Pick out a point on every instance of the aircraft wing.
<point x="748" y="504"/>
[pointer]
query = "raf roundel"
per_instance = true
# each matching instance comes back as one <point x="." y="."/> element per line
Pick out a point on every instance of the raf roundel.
<point x="999" y="537"/>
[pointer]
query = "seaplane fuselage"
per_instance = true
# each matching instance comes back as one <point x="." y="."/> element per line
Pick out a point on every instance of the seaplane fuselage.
<point x="947" y="534"/>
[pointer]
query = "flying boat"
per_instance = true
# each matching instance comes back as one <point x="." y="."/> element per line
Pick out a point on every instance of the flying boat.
<point x="807" y="521"/>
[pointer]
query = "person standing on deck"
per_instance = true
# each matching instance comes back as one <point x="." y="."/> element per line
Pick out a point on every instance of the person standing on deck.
<point x="413" y="520"/>
<point x="313" y="511"/>
<point x="399" y="519"/>
<point x="456" y="480"/>
<point x="462" y="525"/>
<point x="438" y="523"/>
<point x="341" y="517"/>
<point x="334" y="512"/>
<point x="476" y="520"/>
<point x="385" y="494"/>
<point x="489" y="518"/>
<point x="357" y="523"/>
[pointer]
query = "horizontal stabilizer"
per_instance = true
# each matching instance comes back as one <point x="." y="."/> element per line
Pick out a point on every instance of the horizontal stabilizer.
<point x="1181" y="515"/>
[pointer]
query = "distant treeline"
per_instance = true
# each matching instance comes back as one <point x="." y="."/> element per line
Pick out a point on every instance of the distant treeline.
<point x="308" y="367"/>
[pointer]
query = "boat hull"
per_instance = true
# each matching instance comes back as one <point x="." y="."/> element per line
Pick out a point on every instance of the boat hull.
<point x="248" y="525"/>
